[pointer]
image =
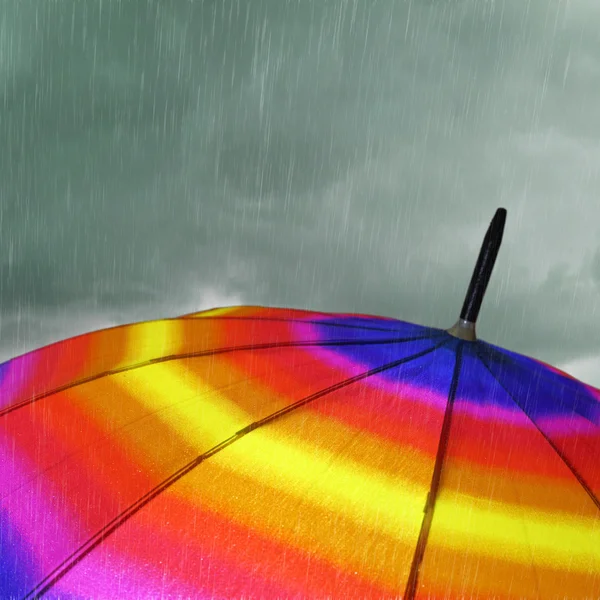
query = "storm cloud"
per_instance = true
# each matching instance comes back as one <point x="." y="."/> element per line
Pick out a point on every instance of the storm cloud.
<point x="340" y="155"/>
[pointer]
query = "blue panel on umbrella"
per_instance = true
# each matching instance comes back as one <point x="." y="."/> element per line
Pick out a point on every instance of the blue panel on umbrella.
<point x="414" y="356"/>
<point x="539" y="391"/>
<point x="477" y="385"/>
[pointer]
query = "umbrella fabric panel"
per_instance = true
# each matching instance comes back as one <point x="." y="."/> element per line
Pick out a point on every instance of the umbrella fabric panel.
<point x="308" y="505"/>
<point x="76" y="459"/>
<point x="511" y="519"/>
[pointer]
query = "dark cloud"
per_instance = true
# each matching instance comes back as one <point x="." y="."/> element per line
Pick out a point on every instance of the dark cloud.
<point x="340" y="155"/>
<point x="595" y="267"/>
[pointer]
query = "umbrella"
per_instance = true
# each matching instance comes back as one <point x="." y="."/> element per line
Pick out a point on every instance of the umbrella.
<point x="276" y="453"/>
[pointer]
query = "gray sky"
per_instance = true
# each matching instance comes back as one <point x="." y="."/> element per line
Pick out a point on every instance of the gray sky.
<point x="342" y="155"/>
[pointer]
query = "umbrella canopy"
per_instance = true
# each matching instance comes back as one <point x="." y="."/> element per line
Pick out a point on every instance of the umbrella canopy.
<point x="261" y="452"/>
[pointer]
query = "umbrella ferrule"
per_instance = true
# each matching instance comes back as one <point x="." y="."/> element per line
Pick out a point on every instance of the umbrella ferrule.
<point x="464" y="330"/>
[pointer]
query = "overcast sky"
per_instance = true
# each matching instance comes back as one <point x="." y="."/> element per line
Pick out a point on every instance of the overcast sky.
<point x="343" y="155"/>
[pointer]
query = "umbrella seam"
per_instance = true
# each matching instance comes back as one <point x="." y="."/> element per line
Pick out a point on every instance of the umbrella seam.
<point x="300" y="321"/>
<point x="419" y="553"/>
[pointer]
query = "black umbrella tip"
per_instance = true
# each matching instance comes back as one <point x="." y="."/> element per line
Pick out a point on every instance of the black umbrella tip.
<point x="499" y="218"/>
<point x="465" y="326"/>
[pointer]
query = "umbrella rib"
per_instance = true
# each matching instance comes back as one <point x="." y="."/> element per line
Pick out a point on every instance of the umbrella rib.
<point x="411" y="584"/>
<point x="78" y="555"/>
<point x="191" y="317"/>
<point x="212" y="352"/>
<point x="507" y="358"/>
<point x="285" y="320"/>
<point x="556" y="449"/>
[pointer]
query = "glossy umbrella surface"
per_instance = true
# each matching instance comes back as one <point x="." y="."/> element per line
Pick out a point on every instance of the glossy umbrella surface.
<point x="254" y="452"/>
